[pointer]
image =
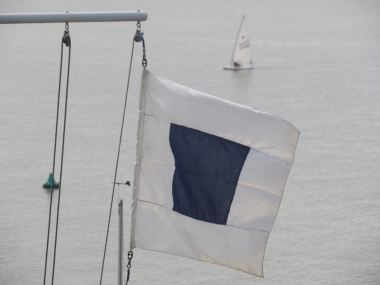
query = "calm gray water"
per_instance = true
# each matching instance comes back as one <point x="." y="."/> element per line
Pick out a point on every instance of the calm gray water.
<point x="317" y="65"/>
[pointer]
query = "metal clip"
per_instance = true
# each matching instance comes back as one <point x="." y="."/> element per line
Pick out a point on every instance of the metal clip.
<point x="144" y="60"/>
<point x="130" y="256"/>
<point x="139" y="37"/>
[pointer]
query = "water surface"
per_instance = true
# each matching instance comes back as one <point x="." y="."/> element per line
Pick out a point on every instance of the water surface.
<point x="317" y="65"/>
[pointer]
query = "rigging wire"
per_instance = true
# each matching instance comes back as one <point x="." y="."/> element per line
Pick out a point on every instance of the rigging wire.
<point x="54" y="154"/>
<point x="64" y="41"/>
<point x="117" y="161"/>
<point x="137" y="38"/>
<point x="67" y="41"/>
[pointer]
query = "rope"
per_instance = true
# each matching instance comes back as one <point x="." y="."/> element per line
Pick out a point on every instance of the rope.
<point x="117" y="161"/>
<point x="67" y="40"/>
<point x="55" y="147"/>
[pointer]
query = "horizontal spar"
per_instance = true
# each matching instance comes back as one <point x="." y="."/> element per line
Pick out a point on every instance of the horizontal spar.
<point x="73" y="17"/>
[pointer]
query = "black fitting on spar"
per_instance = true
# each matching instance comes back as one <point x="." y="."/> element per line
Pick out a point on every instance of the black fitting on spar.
<point x="66" y="36"/>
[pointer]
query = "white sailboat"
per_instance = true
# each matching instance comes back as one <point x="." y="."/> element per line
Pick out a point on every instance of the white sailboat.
<point x="241" y="55"/>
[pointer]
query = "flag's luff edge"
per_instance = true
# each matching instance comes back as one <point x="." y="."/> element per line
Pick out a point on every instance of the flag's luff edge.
<point x="136" y="179"/>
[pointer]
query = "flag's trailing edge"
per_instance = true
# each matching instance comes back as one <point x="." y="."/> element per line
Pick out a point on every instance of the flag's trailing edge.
<point x="209" y="175"/>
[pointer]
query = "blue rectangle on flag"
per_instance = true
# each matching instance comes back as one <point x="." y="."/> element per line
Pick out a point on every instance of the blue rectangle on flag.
<point x="207" y="169"/>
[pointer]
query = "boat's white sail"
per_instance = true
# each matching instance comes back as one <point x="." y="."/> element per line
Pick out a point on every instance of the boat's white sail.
<point x="241" y="56"/>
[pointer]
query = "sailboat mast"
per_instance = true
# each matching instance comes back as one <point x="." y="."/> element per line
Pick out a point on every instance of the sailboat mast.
<point x="120" y="272"/>
<point x="237" y="37"/>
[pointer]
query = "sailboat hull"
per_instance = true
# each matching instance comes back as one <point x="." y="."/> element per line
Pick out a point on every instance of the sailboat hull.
<point x="243" y="67"/>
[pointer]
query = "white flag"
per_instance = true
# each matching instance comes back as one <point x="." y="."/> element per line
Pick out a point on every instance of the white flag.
<point x="209" y="175"/>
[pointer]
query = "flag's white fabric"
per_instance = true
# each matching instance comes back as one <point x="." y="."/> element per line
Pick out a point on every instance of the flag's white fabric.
<point x="242" y="51"/>
<point x="241" y="242"/>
